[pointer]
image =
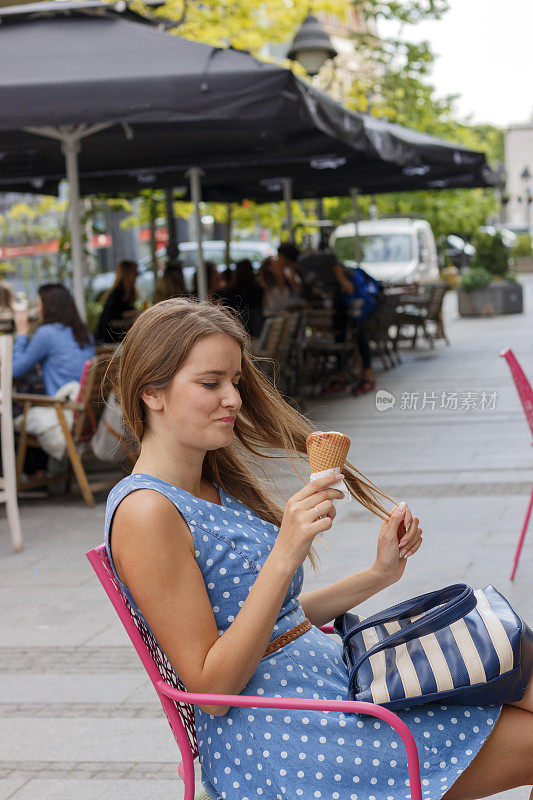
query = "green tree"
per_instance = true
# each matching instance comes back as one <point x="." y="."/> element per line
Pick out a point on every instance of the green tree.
<point x="395" y="87"/>
<point x="406" y="97"/>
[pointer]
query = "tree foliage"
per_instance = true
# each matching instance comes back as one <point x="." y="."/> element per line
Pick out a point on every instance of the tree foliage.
<point x="395" y="86"/>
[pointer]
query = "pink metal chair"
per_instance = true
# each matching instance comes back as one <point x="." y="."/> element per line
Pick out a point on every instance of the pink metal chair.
<point x="525" y="393"/>
<point x="178" y="703"/>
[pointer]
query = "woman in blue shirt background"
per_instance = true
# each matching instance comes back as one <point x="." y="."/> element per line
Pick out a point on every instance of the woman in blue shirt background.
<point x="61" y="345"/>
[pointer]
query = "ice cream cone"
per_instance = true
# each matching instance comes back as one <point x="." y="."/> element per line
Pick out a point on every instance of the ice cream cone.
<point x="327" y="450"/>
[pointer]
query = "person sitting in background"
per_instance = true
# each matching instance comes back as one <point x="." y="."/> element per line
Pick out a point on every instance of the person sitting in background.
<point x="280" y="292"/>
<point x="366" y="292"/>
<point x="288" y="254"/>
<point x="245" y="295"/>
<point x="119" y="310"/>
<point x="215" y="282"/>
<point x="316" y="270"/>
<point x="60" y="346"/>
<point x="171" y="283"/>
<point x="7" y="299"/>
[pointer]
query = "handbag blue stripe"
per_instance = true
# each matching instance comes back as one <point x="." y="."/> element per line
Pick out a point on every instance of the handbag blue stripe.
<point x="453" y="645"/>
<point x="428" y="684"/>
<point x="483" y="644"/>
<point x="455" y="660"/>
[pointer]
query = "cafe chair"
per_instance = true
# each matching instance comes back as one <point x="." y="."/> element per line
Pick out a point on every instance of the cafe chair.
<point x="178" y="703"/>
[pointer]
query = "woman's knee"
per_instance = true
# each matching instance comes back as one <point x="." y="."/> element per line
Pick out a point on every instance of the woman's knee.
<point x="504" y="762"/>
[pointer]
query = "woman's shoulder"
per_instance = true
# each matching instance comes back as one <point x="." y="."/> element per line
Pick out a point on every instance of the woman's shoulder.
<point x="51" y="330"/>
<point x="141" y="498"/>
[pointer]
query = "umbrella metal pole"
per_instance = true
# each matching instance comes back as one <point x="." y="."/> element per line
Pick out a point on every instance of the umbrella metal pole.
<point x="172" y="246"/>
<point x="354" y="194"/>
<point x="287" y="199"/>
<point x="71" y="147"/>
<point x="195" y="174"/>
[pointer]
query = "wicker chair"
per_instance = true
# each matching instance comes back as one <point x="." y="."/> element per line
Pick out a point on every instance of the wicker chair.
<point x="87" y="409"/>
<point x="178" y="703"/>
<point x="418" y="311"/>
<point x="377" y="329"/>
<point x="319" y="356"/>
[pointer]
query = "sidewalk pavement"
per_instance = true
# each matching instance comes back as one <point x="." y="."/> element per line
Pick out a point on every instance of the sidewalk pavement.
<point x="78" y="717"/>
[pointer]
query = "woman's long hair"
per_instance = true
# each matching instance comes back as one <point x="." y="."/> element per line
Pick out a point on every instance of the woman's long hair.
<point x="58" y="306"/>
<point x="126" y="273"/>
<point x="171" y="283"/>
<point x="157" y="346"/>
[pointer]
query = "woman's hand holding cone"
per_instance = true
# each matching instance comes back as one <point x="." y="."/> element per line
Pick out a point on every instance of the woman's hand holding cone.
<point x="307" y="513"/>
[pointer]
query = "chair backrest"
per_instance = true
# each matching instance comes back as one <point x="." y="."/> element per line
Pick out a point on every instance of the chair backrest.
<point x="180" y="715"/>
<point x="272" y="335"/>
<point x="96" y="385"/>
<point x="317" y="326"/>
<point x="436" y="298"/>
<point x="522" y="384"/>
<point x="378" y="324"/>
<point x="289" y="338"/>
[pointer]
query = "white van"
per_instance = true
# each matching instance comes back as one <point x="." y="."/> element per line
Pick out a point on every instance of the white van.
<point x="392" y="250"/>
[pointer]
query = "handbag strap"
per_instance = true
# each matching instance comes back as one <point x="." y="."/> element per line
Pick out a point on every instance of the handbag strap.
<point x="450" y="612"/>
<point x="450" y="596"/>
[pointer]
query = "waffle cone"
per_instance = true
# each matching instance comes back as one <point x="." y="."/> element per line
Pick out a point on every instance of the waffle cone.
<point x="327" y="449"/>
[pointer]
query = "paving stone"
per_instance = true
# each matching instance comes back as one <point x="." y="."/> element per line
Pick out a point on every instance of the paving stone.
<point x="76" y="704"/>
<point x="100" y="790"/>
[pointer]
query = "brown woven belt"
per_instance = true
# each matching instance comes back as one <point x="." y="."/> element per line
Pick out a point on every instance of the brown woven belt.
<point x="289" y="636"/>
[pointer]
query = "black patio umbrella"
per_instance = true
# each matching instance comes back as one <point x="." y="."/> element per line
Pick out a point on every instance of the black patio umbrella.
<point x="95" y="92"/>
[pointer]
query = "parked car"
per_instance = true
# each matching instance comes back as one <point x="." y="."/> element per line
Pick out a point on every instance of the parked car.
<point x="391" y="250"/>
<point x="212" y="251"/>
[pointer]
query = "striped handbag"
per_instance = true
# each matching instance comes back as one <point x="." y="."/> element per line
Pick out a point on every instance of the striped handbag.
<point x="454" y="645"/>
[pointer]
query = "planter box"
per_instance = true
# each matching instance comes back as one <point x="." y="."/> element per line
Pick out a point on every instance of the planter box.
<point x="496" y="298"/>
<point x="523" y="264"/>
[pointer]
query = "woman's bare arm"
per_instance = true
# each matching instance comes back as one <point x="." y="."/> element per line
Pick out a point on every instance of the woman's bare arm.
<point x="345" y="284"/>
<point x="153" y="551"/>
<point x="323" y="605"/>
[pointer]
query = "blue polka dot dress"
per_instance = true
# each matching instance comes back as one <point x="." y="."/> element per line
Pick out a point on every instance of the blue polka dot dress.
<point x="253" y="753"/>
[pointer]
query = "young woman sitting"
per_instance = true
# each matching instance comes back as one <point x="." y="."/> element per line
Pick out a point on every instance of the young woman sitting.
<point x="196" y="538"/>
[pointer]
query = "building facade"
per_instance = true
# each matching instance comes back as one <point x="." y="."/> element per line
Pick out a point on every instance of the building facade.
<point x="519" y="170"/>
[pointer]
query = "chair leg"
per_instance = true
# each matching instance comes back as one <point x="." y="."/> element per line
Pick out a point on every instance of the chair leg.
<point x="427" y="335"/>
<point x="415" y="334"/>
<point x="522" y="536"/>
<point x="22" y="446"/>
<point x="75" y="460"/>
<point x="10" y="482"/>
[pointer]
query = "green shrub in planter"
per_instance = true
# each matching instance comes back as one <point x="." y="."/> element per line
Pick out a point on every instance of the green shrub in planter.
<point x="510" y="277"/>
<point x="522" y="247"/>
<point x="491" y="254"/>
<point x="475" y="278"/>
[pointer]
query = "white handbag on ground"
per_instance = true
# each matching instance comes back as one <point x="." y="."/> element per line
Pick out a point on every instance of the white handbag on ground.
<point x="107" y="443"/>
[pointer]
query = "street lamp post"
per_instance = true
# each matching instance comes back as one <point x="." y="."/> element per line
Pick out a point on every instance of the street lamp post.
<point x="311" y="46"/>
<point x="525" y="175"/>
